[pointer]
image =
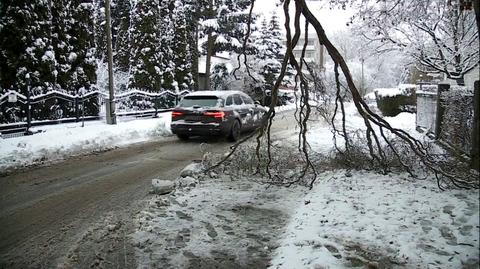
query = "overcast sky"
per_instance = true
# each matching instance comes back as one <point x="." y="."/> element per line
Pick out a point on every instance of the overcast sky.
<point x="332" y="20"/>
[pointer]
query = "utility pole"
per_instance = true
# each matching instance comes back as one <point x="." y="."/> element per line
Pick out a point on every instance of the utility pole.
<point x="110" y="105"/>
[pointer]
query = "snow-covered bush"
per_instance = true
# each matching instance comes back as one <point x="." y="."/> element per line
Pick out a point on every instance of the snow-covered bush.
<point x="393" y="101"/>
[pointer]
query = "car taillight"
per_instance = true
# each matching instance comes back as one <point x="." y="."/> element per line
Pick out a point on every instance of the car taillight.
<point x="176" y="114"/>
<point x="215" y="114"/>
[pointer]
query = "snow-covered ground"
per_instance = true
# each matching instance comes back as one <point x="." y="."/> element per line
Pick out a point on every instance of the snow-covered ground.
<point x="56" y="142"/>
<point x="349" y="218"/>
<point x="361" y="219"/>
<point x="356" y="219"/>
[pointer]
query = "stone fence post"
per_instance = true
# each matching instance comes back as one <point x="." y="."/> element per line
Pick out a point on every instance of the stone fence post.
<point x="474" y="152"/>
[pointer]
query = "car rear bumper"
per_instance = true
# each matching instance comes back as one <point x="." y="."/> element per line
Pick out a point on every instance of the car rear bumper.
<point x="198" y="129"/>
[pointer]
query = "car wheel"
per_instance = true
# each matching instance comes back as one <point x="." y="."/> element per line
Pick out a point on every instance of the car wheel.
<point x="182" y="136"/>
<point x="234" y="131"/>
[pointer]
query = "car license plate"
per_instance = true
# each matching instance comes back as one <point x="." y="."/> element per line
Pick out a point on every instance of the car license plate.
<point x="193" y="118"/>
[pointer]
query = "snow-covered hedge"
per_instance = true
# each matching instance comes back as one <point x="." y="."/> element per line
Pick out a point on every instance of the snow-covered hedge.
<point x="393" y="101"/>
<point x="457" y="123"/>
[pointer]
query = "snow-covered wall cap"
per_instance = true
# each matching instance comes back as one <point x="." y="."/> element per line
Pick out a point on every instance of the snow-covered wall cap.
<point x="457" y="91"/>
<point x="369" y="96"/>
<point x="388" y="92"/>
<point x="406" y="86"/>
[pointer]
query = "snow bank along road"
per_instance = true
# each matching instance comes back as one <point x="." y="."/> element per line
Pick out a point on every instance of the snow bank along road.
<point x="78" y="213"/>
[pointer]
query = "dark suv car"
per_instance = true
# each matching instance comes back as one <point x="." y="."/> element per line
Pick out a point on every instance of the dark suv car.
<point x="207" y="113"/>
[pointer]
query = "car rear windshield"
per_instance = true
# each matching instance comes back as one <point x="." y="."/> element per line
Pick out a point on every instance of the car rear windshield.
<point x="200" y="101"/>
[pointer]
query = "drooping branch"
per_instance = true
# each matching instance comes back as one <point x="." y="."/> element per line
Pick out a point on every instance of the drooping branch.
<point x="372" y="118"/>
<point x="267" y="117"/>
<point x="376" y="128"/>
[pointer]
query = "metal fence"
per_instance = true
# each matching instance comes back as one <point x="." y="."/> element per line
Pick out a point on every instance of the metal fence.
<point x="16" y="108"/>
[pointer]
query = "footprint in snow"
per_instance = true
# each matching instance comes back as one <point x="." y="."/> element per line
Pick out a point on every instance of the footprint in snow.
<point x="210" y="230"/>
<point x="448" y="235"/>
<point x="426" y="225"/>
<point x="448" y="209"/>
<point x="184" y="216"/>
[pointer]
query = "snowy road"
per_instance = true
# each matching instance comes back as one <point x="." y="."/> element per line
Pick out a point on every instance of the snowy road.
<point x="80" y="210"/>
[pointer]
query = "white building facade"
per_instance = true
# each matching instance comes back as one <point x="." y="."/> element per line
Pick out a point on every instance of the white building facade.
<point x="314" y="52"/>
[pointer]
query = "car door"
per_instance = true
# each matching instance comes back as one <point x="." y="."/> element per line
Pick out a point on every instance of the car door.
<point x="242" y="111"/>
<point x="252" y="112"/>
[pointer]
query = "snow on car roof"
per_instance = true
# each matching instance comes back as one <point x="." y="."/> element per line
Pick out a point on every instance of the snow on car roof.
<point x="219" y="94"/>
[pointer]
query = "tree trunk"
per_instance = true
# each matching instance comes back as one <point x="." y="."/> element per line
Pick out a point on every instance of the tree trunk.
<point x="210" y="43"/>
<point x="194" y="53"/>
<point x="476" y="8"/>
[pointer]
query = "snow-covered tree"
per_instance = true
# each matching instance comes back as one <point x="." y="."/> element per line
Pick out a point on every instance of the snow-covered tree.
<point x="181" y="51"/>
<point x="145" y="68"/>
<point x="219" y="77"/>
<point x="438" y="34"/>
<point x="99" y="33"/>
<point x="81" y="57"/>
<point x="224" y="24"/>
<point x="270" y="50"/>
<point x="121" y="35"/>
<point x="369" y="68"/>
<point x="192" y="11"/>
<point x="62" y="24"/>
<point x="25" y="45"/>
<point x="166" y="33"/>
